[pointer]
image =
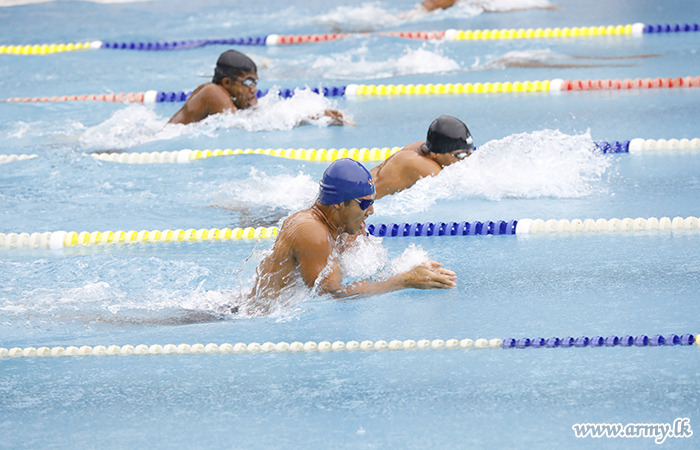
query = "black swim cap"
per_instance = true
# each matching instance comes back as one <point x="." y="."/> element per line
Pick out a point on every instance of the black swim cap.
<point x="232" y="64"/>
<point x="447" y="134"/>
<point x="343" y="180"/>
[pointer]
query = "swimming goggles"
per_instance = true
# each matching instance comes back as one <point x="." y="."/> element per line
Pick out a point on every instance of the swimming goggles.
<point x="249" y="82"/>
<point x="364" y="204"/>
<point x="461" y="154"/>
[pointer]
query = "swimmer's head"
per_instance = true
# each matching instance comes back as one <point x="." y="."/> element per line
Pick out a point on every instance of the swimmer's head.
<point x="345" y="179"/>
<point x="232" y="64"/>
<point x="447" y="134"/>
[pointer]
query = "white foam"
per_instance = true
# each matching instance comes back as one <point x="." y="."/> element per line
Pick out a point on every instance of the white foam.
<point x="129" y="127"/>
<point x="363" y="258"/>
<point x="137" y="124"/>
<point x="276" y="113"/>
<point x="355" y="65"/>
<point x="291" y="192"/>
<point x="529" y="165"/>
<point x="508" y="5"/>
<point x="371" y="16"/>
<point x="366" y="17"/>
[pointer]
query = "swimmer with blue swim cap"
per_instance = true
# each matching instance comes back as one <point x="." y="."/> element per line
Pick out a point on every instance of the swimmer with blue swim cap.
<point x="310" y="241"/>
<point x="448" y="142"/>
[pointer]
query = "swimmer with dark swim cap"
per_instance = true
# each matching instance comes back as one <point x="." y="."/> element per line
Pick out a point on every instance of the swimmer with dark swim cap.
<point x="233" y="87"/>
<point x="448" y="142"/>
<point x="308" y="243"/>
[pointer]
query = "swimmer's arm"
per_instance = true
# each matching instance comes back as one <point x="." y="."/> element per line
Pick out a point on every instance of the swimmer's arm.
<point x="429" y="275"/>
<point x="312" y="250"/>
<point x="338" y="117"/>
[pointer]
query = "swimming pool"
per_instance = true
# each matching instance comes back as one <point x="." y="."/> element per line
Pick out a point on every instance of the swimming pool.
<point x="534" y="161"/>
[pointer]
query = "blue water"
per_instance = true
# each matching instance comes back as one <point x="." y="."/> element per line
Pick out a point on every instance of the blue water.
<point x="534" y="161"/>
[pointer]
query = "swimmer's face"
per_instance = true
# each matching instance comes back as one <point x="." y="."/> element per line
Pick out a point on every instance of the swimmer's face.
<point x="445" y="159"/>
<point x="354" y="216"/>
<point x="243" y="90"/>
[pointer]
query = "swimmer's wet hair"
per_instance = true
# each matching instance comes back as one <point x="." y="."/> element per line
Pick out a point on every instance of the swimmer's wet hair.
<point x="232" y="64"/>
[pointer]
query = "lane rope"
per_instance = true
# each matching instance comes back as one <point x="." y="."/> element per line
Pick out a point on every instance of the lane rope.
<point x="62" y="239"/>
<point x="374" y="154"/>
<point x="530" y="226"/>
<point x="636" y="29"/>
<point x="353" y="90"/>
<point x="183" y="156"/>
<point x="598" y="341"/>
<point x="350" y="346"/>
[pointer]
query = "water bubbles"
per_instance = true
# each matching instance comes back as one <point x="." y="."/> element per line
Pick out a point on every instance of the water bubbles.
<point x="544" y="163"/>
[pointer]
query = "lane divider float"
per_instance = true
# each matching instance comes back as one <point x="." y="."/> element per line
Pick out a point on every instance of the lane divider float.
<point x="353" y="90"/>
<point x="555" y="85"/>
<point x="530" y="226"/>
<point x="62" y="239"/>
<point x="12" y="158"/>
<point x="636" y="29"/>
<point x="153" y="96"/>
<point x="598" y="341"/>
<point x="374" y="154"/>
<point x="302" y="154"/>
<point x="350" y="346"/>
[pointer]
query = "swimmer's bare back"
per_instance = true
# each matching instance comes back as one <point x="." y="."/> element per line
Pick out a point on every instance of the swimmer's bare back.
<point x="206" y="100"/>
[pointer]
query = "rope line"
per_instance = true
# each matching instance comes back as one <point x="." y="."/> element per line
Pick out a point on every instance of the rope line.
<point x="61" y="239"/>
<point x="555" y="85"/>
<point x="637" y="29"/>
<point x="530" y="226"/>
<point x="598" y="341"/>
<point x="183" y="156"/>
<point x="351" y="90"/>
<point x="374" y="154"/>
<point x="350" y="346"/>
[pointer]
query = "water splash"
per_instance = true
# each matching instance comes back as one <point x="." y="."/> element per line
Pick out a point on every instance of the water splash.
<point x="544" y="163"/>
<point x="371" y="16"/>
<point x="354" y="65"/>
<point x="276" y="113"/>
<point x="137" y="124"/>
<point x="289" y="192"/>
<point x="366" y="17"/>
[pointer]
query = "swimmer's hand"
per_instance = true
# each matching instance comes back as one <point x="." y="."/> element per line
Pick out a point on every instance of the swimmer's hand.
<point x="430" y="275"/>
<point x="338" y="117"/>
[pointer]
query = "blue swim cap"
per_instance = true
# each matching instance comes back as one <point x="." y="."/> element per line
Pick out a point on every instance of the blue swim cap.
<point x="343" y="180"/>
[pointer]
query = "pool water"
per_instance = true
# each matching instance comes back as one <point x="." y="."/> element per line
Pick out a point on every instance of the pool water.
<point x="535" y="160"/>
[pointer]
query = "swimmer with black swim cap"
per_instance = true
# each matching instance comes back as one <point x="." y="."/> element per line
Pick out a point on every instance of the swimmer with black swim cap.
<point x="233" y="87"/>
<point x="448" y="142"/>
<point x="309" y="241"/>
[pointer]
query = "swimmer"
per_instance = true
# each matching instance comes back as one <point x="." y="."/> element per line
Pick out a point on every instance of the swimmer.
<point x="233" y="87"/>
<point x="449" y="141"/>
<point x="427" y="6"/>
<point x="309" y="240"/>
